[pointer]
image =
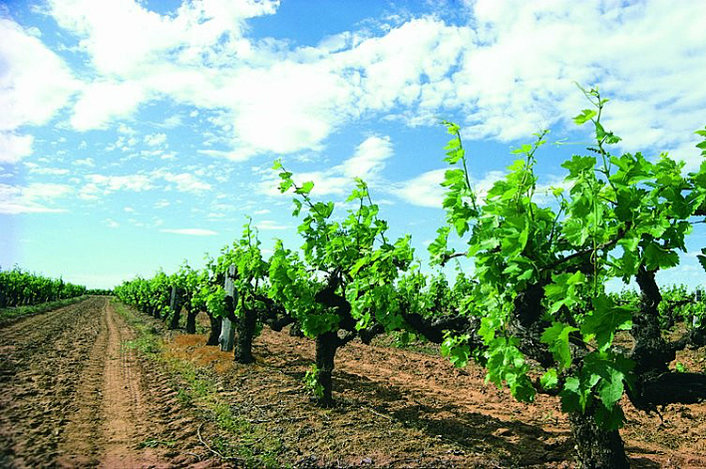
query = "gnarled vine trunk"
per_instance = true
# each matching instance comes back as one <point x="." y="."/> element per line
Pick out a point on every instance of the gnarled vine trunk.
<point x="191" y="321"/>
<point x="597" y="447"/>
<point x="215" y="330"/>
<point x="326" y="346"/>
<point x="245" y="327"/>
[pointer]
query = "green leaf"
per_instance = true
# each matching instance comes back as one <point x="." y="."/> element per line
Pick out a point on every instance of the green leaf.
<point x="610" y="418"/>
<point x="298" y="208"/>
<point x="525" y="148"/>
<point x="557" y="338"/>
<point x="585" y="116"/>
<point x="456" y="349"/>
<point x="656" y="257"/>
<point x="285" y="185"/>
<point x="612" y="371"/>
<point x="549" y="380"/>
<point x="573" y="396"/>
<point x="305" y="188"/>
<point x="605" y="320"/>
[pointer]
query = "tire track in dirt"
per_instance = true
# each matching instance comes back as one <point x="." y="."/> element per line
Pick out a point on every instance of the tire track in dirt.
<point x="80" y="445"/>
<point x="124" y="406"/>
<point x="111" y="419"/>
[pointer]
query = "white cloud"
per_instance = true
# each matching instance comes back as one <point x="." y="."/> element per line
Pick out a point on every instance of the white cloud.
<point x="647" y="56"/>
<point x="33" y="198"/>
<point x="34" y="82"/>
<point x="98" y="184"/>
<point x="102" y="101"/>
<point x="425" y="190"/>
<point x="154" y="140"/>
<point x="88" y="162"/>
<point x="367" y="162"/>
<point x="126" y="130"/>
<point x="228" y="154"/>
<point x="510" y="68"/>
<point x="36" y="169"/>
<point x="186" y="182"/>
<point x="172" y="122"/>
<point x="369" y="158"/>
<point x="189" y="231"/>
<point x="14" y="147"/>
<point x="123" y="37"/>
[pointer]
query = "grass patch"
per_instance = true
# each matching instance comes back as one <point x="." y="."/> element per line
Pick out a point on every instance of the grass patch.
<point x="238" y="440"/>
<point x="156" y="443"/>
<point x="8" y="315"/>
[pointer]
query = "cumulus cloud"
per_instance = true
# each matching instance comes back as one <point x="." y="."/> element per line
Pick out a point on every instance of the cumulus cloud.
<point x="36" y="169"/>
<point x="14" y="147"/>
<point x="87" y="162"/>
<point x="424" y="190"/>
<point x="369" y="158"/>
<point x="34" y="82"/>
<point x="102" y="101"/>
<point x="510" y="68"/>
<point x="268" y="225"/>
<point x="647" y="56"/>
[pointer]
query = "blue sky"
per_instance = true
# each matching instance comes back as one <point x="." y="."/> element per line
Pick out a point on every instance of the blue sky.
<point x="137" y="134"/>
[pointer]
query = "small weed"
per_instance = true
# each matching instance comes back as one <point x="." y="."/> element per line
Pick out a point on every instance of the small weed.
<point x="311" y="381"/>
<point x="184" y="398"/>
<point x="155" y="443"/>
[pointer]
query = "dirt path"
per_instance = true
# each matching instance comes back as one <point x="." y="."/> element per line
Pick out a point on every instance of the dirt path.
<point x="110" y="405"/>
<point x="73" y="394"/>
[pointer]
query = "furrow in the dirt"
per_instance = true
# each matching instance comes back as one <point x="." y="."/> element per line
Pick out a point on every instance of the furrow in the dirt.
<point x="81" y="440"/>
<point x="124" y="407"/>
<point x="41" y="359"/>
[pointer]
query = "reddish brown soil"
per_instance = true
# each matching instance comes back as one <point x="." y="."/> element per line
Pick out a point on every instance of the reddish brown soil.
<point x="72" y="395"/>
<point x="403" y="408"/>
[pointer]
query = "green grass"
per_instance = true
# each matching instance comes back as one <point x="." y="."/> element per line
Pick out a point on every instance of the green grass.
<point x="155" y="443"/>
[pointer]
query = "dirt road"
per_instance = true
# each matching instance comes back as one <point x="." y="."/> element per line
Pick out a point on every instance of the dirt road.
<point x="73" y="394"/>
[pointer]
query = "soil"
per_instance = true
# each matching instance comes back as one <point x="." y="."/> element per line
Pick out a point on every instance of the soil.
<point x="73" y="395"/>
<point x="401" y="408"/>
